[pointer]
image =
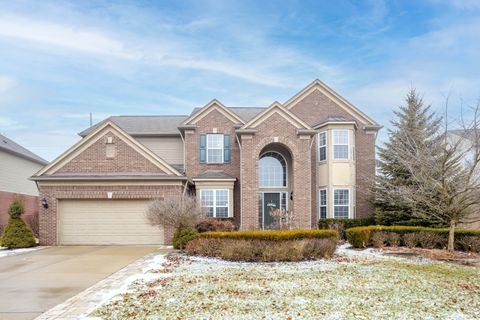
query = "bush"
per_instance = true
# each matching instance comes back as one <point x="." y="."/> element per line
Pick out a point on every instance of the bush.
<point x="17" y="235"/>
<point x="247" y="249"/>
<point x="16" y="209"/>
<point x="273" y="235"/>
<point x="382" y="239"/>
<point x="469" y="243"/>
<point x="429" y="238"/>
<point x="222" y="225"/>
<point x="182" y="236"/>
<point x="176" y="212"/>
<point x="342" y="224"/>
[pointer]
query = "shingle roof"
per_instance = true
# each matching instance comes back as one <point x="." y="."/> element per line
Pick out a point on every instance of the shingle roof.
<point x="214" y="174"/>
<point x="246" y="113"/>
<point x="12" y="147"/>
<point x="143" y="125"/>
<point x="332" y="117"/>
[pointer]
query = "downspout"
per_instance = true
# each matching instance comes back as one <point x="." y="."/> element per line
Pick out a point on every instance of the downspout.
<point x="315" y="180"/>
<point x="241" y="181"/>
<point x="184" y="162"/>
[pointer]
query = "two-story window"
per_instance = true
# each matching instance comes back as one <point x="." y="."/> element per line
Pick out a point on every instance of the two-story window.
<point x="215" y="202"/>
<point x="341" y="203"/>
<point x="322" y="146"/>
<point x="214" y="148"/>
<point x="340" y="144"/>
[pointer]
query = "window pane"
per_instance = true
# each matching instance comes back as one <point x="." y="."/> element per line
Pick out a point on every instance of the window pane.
<point x="323" y="212"/>
<point x="206" y="198"/>
<point x="322" y="153"/>
<point x="210" y="212"/>
<point x="340" y="152"/>
<point x="340" y="197"/>
<point x="341" y="212"/>
<point x="214" y="155"/>
<point x="215" y="141"/>
<point x="222" y="198"/>
<point x="340" y="137"/>
<point x="222" y="212"/>
<point x="322" y="139"/>
<point x="323" y="197"/>
<point x="272" y="170"/>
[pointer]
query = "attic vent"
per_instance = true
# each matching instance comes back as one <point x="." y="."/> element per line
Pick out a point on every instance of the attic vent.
<point x="109" y="140"/>
<point x="110" y="151"/>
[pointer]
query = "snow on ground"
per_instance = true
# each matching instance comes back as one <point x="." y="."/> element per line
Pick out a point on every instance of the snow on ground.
<point x="4" y="252"/>
<point x="357" y="284"/>
<point x="346" y="250"/>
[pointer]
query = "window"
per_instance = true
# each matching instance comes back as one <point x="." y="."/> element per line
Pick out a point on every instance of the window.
<point x="215" y="202"/>
<point x="322" y="146"/>
<point x="272" y="170"/>
<point x="323" y="203"/>
<point x="214" y="148"/>
<point x="340" y="144"/>
<point x="341" y="203"/>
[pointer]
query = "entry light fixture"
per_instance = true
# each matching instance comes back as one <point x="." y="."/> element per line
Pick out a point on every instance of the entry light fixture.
<point x="44" y="203"/>
<point x="291" y="195"/>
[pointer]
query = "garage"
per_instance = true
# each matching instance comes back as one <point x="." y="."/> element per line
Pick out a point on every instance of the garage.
<point x="102" y="222"/>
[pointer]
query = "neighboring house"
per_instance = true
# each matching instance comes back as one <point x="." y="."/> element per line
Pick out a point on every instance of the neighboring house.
<point x="313" y="155"/>
<point x="465" y="141"/>
<point x="17" y="164"/>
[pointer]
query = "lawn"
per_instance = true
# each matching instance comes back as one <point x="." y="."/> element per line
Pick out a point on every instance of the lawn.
<point x="346" y="287"/>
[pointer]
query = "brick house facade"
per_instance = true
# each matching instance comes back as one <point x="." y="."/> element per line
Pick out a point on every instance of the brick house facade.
<point x="313" y="156"/>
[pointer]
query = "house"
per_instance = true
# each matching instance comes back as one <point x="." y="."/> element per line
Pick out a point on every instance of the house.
<point x="465" y="140"/>
<point x="313" y="155"/>
<point x="17" y="164"/>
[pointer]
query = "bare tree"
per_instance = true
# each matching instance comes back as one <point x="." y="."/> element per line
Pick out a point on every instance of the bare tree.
<point x="178" y="212"/>
<point x="282" y="219"/>
<point x="441" y="178"/>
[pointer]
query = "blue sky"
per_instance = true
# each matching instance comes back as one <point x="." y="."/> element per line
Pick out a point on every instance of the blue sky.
<point x="60" y="60"/>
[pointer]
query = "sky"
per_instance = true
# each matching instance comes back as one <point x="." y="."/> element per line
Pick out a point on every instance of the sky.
<point x="61" y="60"/>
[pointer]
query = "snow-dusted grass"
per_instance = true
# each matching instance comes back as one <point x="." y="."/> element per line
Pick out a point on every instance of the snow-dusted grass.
<point x="354" y="285"/>
<point x="4" y="252"/>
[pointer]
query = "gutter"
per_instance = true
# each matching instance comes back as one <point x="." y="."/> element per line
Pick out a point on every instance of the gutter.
<point x="105" y="178"/>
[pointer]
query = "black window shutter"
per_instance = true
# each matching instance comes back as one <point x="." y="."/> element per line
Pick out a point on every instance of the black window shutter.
<point x="226" y="148"/>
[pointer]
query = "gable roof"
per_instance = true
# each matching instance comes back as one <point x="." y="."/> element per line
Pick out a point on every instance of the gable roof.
<point x="212" y="105"/>
<point x="14" y="148"/>
<point x="246" y="113"/>
<point x="332" y="95"/>
<point x="97" y="134"/>
<point x="143" y="125"/>
<point x="278" y="108"/>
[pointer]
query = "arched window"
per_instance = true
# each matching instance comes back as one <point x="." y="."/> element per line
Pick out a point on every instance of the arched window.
<point x="272" y="169"/>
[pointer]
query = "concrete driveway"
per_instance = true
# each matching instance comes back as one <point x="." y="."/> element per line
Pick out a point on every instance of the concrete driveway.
<point x="34" y="282"/>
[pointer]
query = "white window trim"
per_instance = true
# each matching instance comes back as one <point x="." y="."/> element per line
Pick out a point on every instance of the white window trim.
<point x="349" y="201"/>
<point x="347" y="144"/>
<point x="222" y="148"/>
<point x="320" y="203"/>
<point x="215" y="202"/>
<point x="318" y="146"/>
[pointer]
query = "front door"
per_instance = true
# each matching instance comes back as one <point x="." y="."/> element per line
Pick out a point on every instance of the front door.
<point x="271" y="202"/>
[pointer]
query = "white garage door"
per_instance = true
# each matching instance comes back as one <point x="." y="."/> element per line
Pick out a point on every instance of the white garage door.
<point x="100" y="222"/>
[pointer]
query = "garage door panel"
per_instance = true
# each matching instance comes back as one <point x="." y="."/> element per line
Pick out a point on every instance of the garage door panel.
<point x="106" y="222"/>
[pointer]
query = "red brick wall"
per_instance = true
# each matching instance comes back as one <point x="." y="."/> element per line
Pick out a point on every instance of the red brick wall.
<point x="277" y="126"/>
<point x="48" y="217"/>
<point x="30" y="205"/>
<point x="94" y="159"/>
<point x="193" y="167"/>
<point x="316" y="107"/>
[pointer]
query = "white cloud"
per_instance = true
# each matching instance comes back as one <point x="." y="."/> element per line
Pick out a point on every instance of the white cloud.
<point x="6" y="83"/>
<point x="65" y="36"/>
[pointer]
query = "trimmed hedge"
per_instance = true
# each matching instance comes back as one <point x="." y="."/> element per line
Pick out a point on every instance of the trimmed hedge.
<point x="280" y="235"/>
<point x="361" y="237"/>
<point x="341" y="224"/>
<point x="17" y="235"/>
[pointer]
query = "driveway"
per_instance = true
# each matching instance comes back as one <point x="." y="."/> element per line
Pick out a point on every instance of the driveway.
<point x="34" y="282"/>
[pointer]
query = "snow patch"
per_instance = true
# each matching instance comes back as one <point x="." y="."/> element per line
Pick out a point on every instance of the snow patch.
<point x="4" y="252"/>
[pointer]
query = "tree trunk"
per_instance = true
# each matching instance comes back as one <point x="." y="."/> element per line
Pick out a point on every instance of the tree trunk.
<point x="451" y="236"/>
